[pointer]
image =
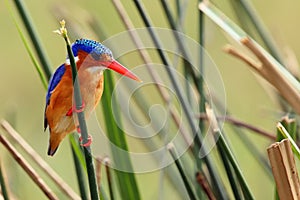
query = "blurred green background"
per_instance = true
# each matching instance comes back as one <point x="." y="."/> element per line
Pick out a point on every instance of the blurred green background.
<point x="23" y="96"/>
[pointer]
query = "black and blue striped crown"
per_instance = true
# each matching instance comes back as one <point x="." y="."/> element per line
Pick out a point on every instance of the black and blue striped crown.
<point x="90" y="46"/>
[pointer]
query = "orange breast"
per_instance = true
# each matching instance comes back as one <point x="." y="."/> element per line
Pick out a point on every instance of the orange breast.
<point x="61" y="101"/>
<point x="91" y="87"/>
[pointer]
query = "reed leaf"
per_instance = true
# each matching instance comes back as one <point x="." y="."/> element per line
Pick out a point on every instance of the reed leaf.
<point x="287" y="135"/>
<point x="252" y="16"/>
<point x="4" y="189"/>
<point x="126" y="180"/>
<point x="29" y="25"/>
<point x="230" y="174"/>
<point x="238" y="34"/>
<point x="181" y="171"/>
<point x="222" y="144"/>
<point x="141" y="102"/>
<point x="179" y="93"/>
<point x="28" y="49"/>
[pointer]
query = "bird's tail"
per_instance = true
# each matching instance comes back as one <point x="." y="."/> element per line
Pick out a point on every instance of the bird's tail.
<point x="54" y="141"/>
<point x="51" y="151"/>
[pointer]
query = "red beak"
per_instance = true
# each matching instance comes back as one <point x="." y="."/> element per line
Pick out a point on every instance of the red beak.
<point x="116" y="66"/>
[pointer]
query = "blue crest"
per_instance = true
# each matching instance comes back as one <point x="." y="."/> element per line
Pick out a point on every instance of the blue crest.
<point x="90" y="46"/>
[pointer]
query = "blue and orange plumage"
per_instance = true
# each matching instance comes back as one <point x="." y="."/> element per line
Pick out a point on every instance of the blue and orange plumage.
<point x="92" y="58"/>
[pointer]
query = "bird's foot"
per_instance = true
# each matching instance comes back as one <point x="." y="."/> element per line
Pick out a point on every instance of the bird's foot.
<point x="88" y="143"/>
<point x="74" y="109"/>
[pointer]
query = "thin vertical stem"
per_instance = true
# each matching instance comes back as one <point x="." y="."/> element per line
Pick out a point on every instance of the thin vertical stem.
<point x="126" y="180"/>
<point x="202" y="181"/>
<point x="109" y="179"/>
<point x="34" y="37"/>
<point x="225" y="147"/>
<point x="147" y="60"/>
<point x="222" y="144"/>
<point x="79" y="172"/>
<point x="83" y="128"/>
<point x="98" y="171"/>
<point x="177" y="30"/>
<point x="179" y="166"/>
<point x="262" y="31"/>
<point x="201" y="66"/>
<point x="3" y="185"/>
<point x="198" y="82"/>
<point x="230" y="175"/>
<point x="81" y="118"/>
<point x="200" y="88"/>
<point x="167" y="63"/>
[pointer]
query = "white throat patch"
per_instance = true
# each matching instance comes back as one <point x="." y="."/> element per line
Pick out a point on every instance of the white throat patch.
<point x="68" y="60"/>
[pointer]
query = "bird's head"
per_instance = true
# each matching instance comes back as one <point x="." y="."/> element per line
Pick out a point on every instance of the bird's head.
<point x="89" y="53"/>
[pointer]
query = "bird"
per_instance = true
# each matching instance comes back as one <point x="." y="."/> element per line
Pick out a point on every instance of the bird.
<point x="92" y="59"/>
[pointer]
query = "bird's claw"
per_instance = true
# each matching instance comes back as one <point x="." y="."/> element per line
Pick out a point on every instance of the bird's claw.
<point x="88" y="143"/>
<point x="74" y="109"/>
<point x="89" y="139"/>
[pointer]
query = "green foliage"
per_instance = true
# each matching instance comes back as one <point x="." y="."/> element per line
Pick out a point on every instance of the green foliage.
<point x="126" y="180"/>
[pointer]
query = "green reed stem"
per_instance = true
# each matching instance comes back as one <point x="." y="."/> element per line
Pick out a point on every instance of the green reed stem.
<point x="79" y="171"/>
<point x="201" y="66"/>
<point x="109" y="179"/>
<point x="3" y="185"/>
<point x="218" y="185"/>
<point x="198" y="80"/>
<point x="230" y="175"/>
<point x="126" y="180"/>
<point x="34" y="37"/>
<point x="29" y="50"/>
<point x="177" y="30"/>
<point x="41" y="72"/>
<point x="168" y="65"/>
<point x="81" y="118"/>
<point x="261" y="29"/>
<point x="287" y="135"/>
<point x="223" y="146"/>
<point x="179" y="166"/>
<point x="199" y="138"/>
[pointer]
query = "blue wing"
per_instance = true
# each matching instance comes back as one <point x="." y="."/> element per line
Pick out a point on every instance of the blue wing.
<point x="55" y="79"/>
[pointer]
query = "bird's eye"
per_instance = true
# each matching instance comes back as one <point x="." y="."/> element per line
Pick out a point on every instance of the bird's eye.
<point x="95" y="56"/>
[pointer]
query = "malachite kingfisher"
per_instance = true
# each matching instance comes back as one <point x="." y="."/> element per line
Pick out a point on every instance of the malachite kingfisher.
<point x="92" y="58"/>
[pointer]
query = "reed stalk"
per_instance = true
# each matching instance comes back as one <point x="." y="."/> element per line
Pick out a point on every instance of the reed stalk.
<point x="81" y="118"/>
